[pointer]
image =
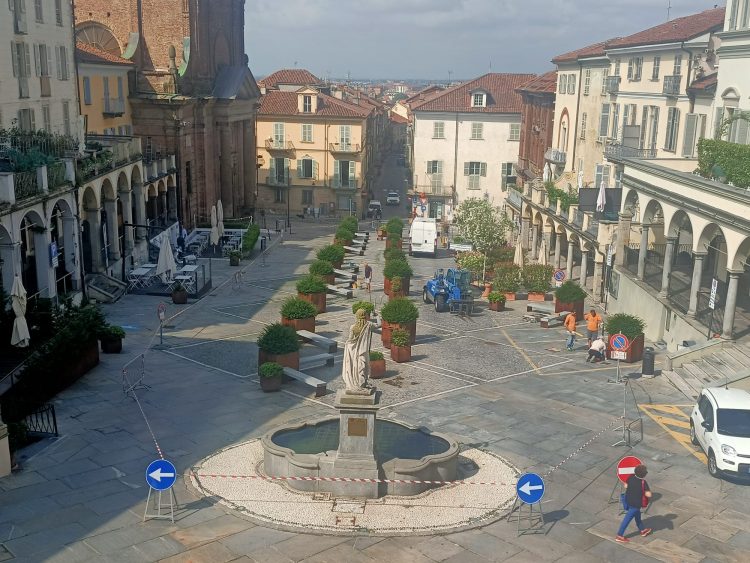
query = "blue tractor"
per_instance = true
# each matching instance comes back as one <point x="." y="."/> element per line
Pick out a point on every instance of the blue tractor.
<point x="450" y="291"/>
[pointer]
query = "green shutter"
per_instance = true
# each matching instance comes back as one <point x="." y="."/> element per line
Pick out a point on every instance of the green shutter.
<point x="336" y="174"/>
<point x="300" y="171"/>
<point x="315" y="170"/>
<point x="287" y="165"/>
<point x="466" y="168"/>
<point x="352" y="174"/>
<point x="272" y="171"/>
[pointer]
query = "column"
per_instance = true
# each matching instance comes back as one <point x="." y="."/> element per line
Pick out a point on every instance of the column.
<point x="127" y="217"/>
<point x="667" y="267"/>
<point x="45" y="274"/>
<point x="71" y="244"/>
<point x="569" y="264"/>
<point x="534" y="242"/>
<point x="730" y="305"/>
<point x="250" y="164"/>
<point x="695" y="284"/>
<point x="584" y="266"/>
<point x="113" y="233"/>
<point x="164" y="208"/>
<point x="558" y="239"/>
<point x="643" y="251"/>
<point x="623" y="238"/>
<point x="226" y="170"/>
<point x="140" y="211"/>
<point x="525" y="233"/>
<point x="598" y="276"/>
<point x="94" y="218"/>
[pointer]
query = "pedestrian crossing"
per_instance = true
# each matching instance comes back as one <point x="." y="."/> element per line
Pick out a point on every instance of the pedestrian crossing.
<point x="675" y="420"/>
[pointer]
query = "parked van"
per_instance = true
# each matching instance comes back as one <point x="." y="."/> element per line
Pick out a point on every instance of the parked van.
<point x="423" y="237"/>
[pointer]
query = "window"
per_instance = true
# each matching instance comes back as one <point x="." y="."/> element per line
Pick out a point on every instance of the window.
<point x="584" y="119"/>
<point x="604" y="121"/>
<point x="507" y="177"/>
<point x="120" y="89"/>
<point x="307" y="103"/>
<point x="477" y="130"/>
<point x="39" y="10"/>
<point x="515" y="132"/>
<point x="477" y="100"/>
<point x="586" y="81"/>
<point x="87" y="90"/>
<point x="307" y="168"/>
<point x="617" y="67"/>
<point x="738" y="131"/>
<point x="345" y="136"/>
<point x="673" y="128"/>
<point x="46" y="121"/>
<point x="618" y="179"/>
<point x="571" y="84"/>
<point x="601" y="176"/>
<point x="435" y="173"/>
<point x="26" y="121"/>
<point x="21" y="67"/>
<point x="655" y="68"/>
<point x="475" y="170"/>
<point x="677" y="70"/>
<point x="307" y="197"/>
<point x="62" y="63"/>
<point x="438" y="130"/>
<point x="279" y="196"/>
<point x="562" y="87"/>
<point x="307" y="133"/>
<point x="635" y="66"/>
<point x="615" y="121"/>
<point x="278" y="135"/>
<point x="43" y="60"/>
<point x="58" y="12"/>
<point x="695" y="129"/>
<point x="279" y="171"/>
<point x="605" y="76"/>
<point x="344" y="174"/>
<point x="654" y="126"/>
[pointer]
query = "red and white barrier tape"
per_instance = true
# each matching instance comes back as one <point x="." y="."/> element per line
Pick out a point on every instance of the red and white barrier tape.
<point x="347" y="480"/>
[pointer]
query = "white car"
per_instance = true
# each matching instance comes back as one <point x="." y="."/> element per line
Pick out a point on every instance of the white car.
<point x="720" y="424"/>
<point x="393" y="198"/>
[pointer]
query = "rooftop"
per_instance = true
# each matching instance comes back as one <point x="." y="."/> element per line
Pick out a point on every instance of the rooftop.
<point x="546" y="83"/>
<point x="705" y="84"/>
<point x="674" y="31"/>
<point x="594" y="50"/>
<point x="502" y="96"/>
<point x="294" y="76"/>
<point x="276" y="102"/>
<point x="89" y="54"/>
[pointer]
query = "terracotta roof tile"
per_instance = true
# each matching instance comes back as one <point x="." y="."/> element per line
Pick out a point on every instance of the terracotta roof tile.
<point x="595" y="50"/>
<point x="676" y="30"/>
<point x="278" y="102"/>
<point x="705" y="83"/>
<point x="426" y="93"/>
<point x="396" y="118"/>
<point x="294" y="76"/>
<point x="547" y="82"/>
<point x="500" y="87"/>
<point x="86" y="53"/>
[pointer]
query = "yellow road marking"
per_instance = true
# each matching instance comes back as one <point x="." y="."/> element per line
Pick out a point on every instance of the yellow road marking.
<point x="521" y="350"/>
<point x="676" y="419"/>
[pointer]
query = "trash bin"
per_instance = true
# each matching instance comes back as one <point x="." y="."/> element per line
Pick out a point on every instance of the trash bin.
<point x="647" y="363"/>
<point x="262" y="243"/>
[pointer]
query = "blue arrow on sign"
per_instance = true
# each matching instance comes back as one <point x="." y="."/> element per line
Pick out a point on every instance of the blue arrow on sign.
<point x="530" y="488"/>
<point x="161" y="474"/>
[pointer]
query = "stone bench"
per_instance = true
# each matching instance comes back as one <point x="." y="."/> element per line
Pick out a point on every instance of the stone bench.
<point x="359" y="251"/>
<point x="345" y="274"/>
<point x="362" y="234"/>
<point x="540" y="307"/>
<point x="340" y="291"/>
<point x="317" y="384"/>
<point x="551" y="321"/>
<point x="319" y="341"/>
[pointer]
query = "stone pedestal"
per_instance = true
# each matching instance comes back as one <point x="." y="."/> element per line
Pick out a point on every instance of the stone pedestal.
<point x="355" y="457"/>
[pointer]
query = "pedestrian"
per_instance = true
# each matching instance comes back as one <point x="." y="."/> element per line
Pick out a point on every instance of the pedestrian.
<point x="570" y="326"/>
<point x="593" y="322"/>
<point x="368" y="276"/>
<point x="596" y="350"/>
<point x="637" y="494"/>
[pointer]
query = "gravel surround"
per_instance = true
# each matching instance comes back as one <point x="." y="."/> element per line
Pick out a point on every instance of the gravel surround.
<point x="274" y="504"/>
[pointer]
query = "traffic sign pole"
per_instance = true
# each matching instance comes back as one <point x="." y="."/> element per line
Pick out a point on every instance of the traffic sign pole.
<point x="160" y="477"/>
<point x="529" y="492"/>
<point x="625" y="468"/>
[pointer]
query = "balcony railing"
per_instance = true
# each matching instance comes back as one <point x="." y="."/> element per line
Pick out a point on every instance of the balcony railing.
<point x="278" y="145"/>
<point x="612" y="84"/>
<point x="124" y="149"/>
<point x="26" y="184"/>
<point x="348" y="185"/>
<point x="555" y="156"/>
<point x="113" y="107"/>
<point x="514" y="198"/>
<point x="278" y="180"/>
<point x="56" y="175"/>
<point x="672" y="85"/>
<point x="345" y="148"/>
<point x="620" y="151"/>
<point x="429" y="189"/>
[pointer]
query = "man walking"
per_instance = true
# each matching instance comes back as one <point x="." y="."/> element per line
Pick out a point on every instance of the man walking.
<point x="637" y="493"/>
<point x="593" y="322"/>
<point x="570" y="326"/>
<point x="368" y="277"/>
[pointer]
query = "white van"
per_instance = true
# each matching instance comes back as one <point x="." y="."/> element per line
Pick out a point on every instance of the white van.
<point x="423" y="237"/>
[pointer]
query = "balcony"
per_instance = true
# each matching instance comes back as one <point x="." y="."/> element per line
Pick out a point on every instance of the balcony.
<point x="124" y="149"/>
<point x="349" y="148"/>
<point x="350" y="184"/>
<point x="433" y="189"/>
<point x="672" y="85"/>
<point x="555" y="156"/>
<point x="278" y="179"/>
<point x="612" y="85"/>
<point x="277" y="145"/>
<point x="113" y="107"/>
<point x="617" y="152"/>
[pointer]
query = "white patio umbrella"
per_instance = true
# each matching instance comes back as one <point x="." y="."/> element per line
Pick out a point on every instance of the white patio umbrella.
<point x="601" y="199"/>
<point x="543" y="252"/>
<point x="166" y="266"/>
<point x="220" y="218"/>
<point x="214" y="238"/>
<point x="518" y="256"/>
<point x="20" y="336"/>
<point x="580" y="179"/>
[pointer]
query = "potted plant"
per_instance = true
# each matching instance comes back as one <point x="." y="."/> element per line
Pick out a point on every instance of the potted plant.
<point x="377" y="365"/>
<point x="298" y="314"/>
<point x="472" y="261"/>
<point x="497" y="301"/>
<point x="396" y="289"/>
<point x="343" y="236"/>
<point x="397" y="269"/>
<point x="366" y="305"/>
<point x="269" y="376"/>
<point x="333" y="253"/>
<point x="400" y="346"/>
<point x="179" y="294"/>
<point x="312" y="288"/>
<point x="382" y="233"/>
<point x="394" y="254"/>
<point x="398" y="313"/>
<point x="537" y="279"/>
<point x="234" y="257"/>
<point x="324" y="269"/>
<point x="570" y="297"/>
<point x="632" y="327"/>
<point x="280" y="344"/>
<point x="111" y="338"/>
<point x="350" y="223"/>
<point x="394" y="230"/>
<point x="507" y="280"/>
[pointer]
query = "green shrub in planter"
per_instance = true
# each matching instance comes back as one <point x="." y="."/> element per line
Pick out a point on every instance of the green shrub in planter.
<point x="570" y="292"/>
<point x="397" y="269"/>
<point x="537" y="278"/>
<point x="507" y="278"/>
<point x="112" y="332"/>
<point x="366" y="305"/>
<point x="502" y="255"/>
<point x="399" y="337"/>
<point x="271" y="369"/>
<point x="399" y="311"/>
<point x="311" y="284"/>
<point x="375" y="356"/>
<point x="321" y="268"/>
<point x="343" y="233"/>
<point x="249" y="238"/>
<point x="395" y="226"/>
<point x="296" y="308"/>
<point x="350" y="223"/>
<point x="496" y="297"/>
<point x="277" y="340"/>
<point x="472" y="261"/>
<point x="332" y="253"/>
<point x="629" y="325"/>
<point x="394" y="254"/>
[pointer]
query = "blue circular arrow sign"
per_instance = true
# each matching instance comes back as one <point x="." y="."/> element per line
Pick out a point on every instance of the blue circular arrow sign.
<point x="161" y="474"/>
<point x="530" y="488"/>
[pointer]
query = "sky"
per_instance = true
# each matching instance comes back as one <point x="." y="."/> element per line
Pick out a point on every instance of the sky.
<point x="425" y="39"/>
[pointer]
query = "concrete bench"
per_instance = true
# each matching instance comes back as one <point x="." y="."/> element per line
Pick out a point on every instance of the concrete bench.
<point x="345" y="274"/>
<point x="360" y="244"/>
<point x="316" y="361"/>
<point x="317" y="384"/>
<point x="532" y="317"/>
<point x="359" y="251"/>
<point x="327" y="344"/>
<point x="551" y="321"/>
<point x="351" y="266"/>
<point x="540" y="307"/>
<point x="340" y="291"/>
<point x="362" y="234"/>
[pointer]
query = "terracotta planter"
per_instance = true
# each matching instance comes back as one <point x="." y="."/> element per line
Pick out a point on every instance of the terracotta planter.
<point x="317" y="299"/>
<point x="179" y="297"/>
<point x="536" y="296"/>
<point x="300" y="324"/>
<point x="387" y="286"/>
<point x="385" y="333"/>
<point x="391" y="244"/>
<point x="112" y="345"/>
<point x="329" y="279"/>
<point x="377" y="369"/>
<point x="338" y="264"/>
<point x="487" y="290"/>
<point x="270" y="384"/>
<point x="405" y="287"/>
<point x="411" y="328"/>
<point x="342" y="242"/>
<point x="576" y="306"/>
<point x="234" y="260"/>
<point x="510" y="296"/>
<point x="401" y="354"/>
<point x="497" y="306"/>
<point x="290" y="360"/>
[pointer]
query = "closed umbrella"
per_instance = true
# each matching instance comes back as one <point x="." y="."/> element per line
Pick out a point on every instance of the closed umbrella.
<point x="166" y="266"/>
<point x="543" y="252"/>
<point x="580" y="179"/>
<point x="518" y="256"/>
<point x="20" y="336"/>
<point x="220" y="218"/>
<point x="601" y="199"/>
<point x="214" y="238"/>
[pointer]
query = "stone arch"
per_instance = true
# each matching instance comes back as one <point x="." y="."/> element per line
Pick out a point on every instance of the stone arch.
<point x="730" y="96"/>
<point x="713" y="242"/>
<point x="538" y="220"/>
<point x="681" y="228"/>
<point x="152" y="191"/>
<point x="741" y="259"/>
<point x="631" y="203"/>
<point x="90" y="206"/>
<point x="98" y="35"/>
<point x="136" y="176"/>
<point x="161" y="186"/>
<point x="107" y="190"/>
<point x="122" y="183"/>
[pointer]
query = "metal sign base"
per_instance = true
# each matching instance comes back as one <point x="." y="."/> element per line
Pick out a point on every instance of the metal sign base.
<point x="160" y="505"/>
<point x="534" y="519"/>
<point x="614" y="497"/>
<point x="628" y="427"/>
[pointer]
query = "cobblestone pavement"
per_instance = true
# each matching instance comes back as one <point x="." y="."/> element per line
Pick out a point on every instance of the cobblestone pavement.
<point x="491" y="381"/>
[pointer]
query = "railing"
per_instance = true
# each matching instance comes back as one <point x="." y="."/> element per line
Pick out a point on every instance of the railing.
<point x="17" y="145"/>
<point x="42" y="421"/>
<point x="632" y="251"/>
<point x="56" y="175"/>
<point x="514" y="198"/>
<point x="431" y="190"/>
<point x="113" y="106"/>
<point x="350" y="185"/>
<point x="124" y="149"/>
<point x="621" y="151"/>
<point x="672" y="85"/>
<point x="578" y="218"/>
<point x="555" y="156"/>
<point x="346" y="147"/>
<point x="273" y="180"/>
<point x="654" y="267"/>
<point x="26" y="184"/>
<point x="612" y="85"/>
<point x="706" y="316"/>
<point x="678" y="291"/>
<point x="274" y="145"/>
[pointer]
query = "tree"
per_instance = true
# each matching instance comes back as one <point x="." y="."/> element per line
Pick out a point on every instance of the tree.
<point x="483" y="225"/>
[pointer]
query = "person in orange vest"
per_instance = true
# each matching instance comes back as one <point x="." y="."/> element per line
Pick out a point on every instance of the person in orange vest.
<point x="570" y="326"/>
<point x="593" y="322"/>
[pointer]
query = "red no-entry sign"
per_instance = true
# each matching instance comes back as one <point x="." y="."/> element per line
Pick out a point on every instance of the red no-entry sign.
<point x="626" y="467"/>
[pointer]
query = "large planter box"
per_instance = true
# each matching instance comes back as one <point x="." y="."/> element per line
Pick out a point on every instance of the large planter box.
<point x="634" y="354"/>
<point x="290" y="360"/>
<point x="497" y="306"/>
<point x="329" y="279"/>
<point x="576" y="306"/>
<point x="510" y="295"/>
<point x="487" y="290"/>
<point x="377" y="369"/>
<point x="411" y="328"/>
<point x="342" y="242"/>
<point x="391" y="244"/>
<point x="270" y="384"/>
<point x="111" y="345"/>
<point x="537" y="297"/>
<point x="317" y="299"/>
<point x="300" y="324"/>
<point x="385" y="333"/>
<point x="401" y="354"/>
<point x="405" y="287"/>
<point x="179" y="297"/>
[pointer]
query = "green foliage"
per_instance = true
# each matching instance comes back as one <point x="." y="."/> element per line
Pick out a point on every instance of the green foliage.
<point x="321" y="268"/>
<point x="400" y="338"/>
<point x="732" y="158"/>
<point x="503" y="255"/>
<point x="235" y="254"/>
<point x="482" y="224"/>
<point x="570" y="292"/>
<point x="311" y="284"/>
<point x="566" y="197"/>
<point x="344" y="234"/>
<point x="366" y="305"/>
<point x="332" y="253"/>
<point x="278" y="339"/>
<point x="629" y="325"/>
<point x="496" y="297"/>
<point x="112" y="332"/>
<point x="397" y="269"/>
<point x="249" y="238"/>
<point x="399" y="311"/>
<point x="507" y="278"/>
<point x="537" y="278"/>
<point x="472" y="261"/>
<point x="296" y="308"/>
<point x="350" y="223"/>
<point x="394" y="253"/>
<point x="395" y="226"/>
<point x="270" y="370"/>
<point x="375" y="356"/>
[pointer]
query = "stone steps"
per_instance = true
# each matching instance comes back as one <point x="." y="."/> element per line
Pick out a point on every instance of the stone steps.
<point x="728" y="364"/>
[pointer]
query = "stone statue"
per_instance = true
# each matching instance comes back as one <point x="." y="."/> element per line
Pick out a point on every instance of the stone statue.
<point x="356" y="370"/>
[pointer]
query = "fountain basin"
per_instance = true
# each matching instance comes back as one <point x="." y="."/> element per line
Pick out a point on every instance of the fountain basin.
<point x="401" y="452"/>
